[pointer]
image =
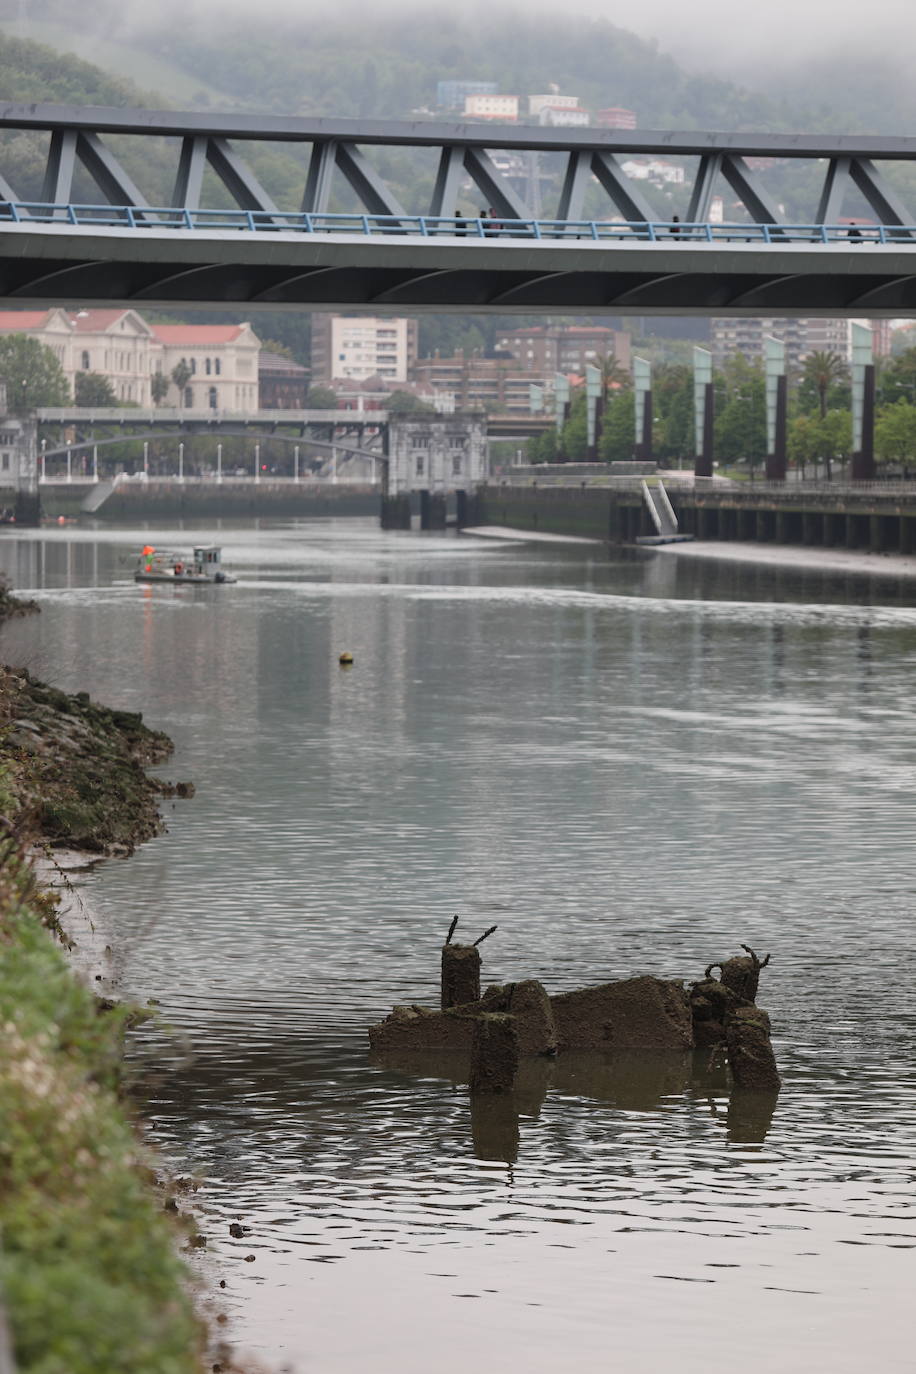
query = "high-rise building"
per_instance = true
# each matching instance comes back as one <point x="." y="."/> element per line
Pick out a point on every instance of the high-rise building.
<point x="351" y="347"/>
<point x="800" y="336"/>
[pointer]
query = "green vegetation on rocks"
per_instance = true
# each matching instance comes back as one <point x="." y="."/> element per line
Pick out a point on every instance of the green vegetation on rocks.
<point x="91" y="1281"/>
<point x="90" y="1276"/>
<point x="77" y="768"/>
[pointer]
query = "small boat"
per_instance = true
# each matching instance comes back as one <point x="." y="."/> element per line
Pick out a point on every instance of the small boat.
<point x="202" y="567"/>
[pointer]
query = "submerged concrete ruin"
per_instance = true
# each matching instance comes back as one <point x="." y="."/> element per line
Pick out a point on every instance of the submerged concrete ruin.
<point x="498" y="1028"/>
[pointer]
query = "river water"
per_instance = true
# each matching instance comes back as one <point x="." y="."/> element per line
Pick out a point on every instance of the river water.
<point x="632" y="763"/>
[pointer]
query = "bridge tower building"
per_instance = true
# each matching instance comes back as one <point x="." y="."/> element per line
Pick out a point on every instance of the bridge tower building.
<point x="435" y="455"/>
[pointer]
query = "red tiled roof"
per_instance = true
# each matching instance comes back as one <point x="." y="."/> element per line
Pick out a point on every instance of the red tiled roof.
<point x="200" y="334"/>
<point x="94" y="321"/>
<point x="14" y="321"/>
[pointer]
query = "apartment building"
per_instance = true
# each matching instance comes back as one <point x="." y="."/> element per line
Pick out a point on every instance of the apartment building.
<point x="501" y="107"/>
<point x="800" y="336"/>
<point x="548" y="349"/>
<point x="353" y="347"/>
<point x="476" y="383"/>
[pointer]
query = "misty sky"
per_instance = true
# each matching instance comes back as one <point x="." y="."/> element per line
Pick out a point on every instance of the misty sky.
<point x="707" y="31"/>
<point x="710" y="33"/>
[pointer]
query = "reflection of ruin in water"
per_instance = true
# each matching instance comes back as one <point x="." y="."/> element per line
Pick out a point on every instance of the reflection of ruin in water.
<point x="628" y="1081"/>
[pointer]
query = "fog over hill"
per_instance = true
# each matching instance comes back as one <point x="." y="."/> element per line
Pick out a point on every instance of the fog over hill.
<point x="809" y="66"/>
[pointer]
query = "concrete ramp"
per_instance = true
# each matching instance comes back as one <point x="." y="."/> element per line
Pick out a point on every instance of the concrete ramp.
<point x="98" y="496"/>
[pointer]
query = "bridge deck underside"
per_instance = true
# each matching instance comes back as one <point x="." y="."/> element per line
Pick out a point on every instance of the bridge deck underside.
<point x="42" y="264"/>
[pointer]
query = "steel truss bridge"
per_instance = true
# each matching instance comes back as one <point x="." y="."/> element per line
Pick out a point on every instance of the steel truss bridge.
<point x="91" y="236"/>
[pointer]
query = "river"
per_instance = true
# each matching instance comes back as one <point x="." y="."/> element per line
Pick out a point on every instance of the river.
<point x="630" y="763"/>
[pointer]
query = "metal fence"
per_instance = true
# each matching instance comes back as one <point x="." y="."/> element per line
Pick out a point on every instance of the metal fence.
<point x="668" y="232"/>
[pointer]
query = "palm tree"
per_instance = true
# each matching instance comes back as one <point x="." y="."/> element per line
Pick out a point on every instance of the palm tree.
<point x="822" y="370"/>
<point x="612" y="374"/>
<point x="181" y="375"/>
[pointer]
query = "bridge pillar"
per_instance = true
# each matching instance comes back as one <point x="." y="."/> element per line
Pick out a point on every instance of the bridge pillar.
<point x="764" y="525"/>
<point x="465" y="509"/>
<point x="853" y="531"/>
<point x="432" y="510"/>
<point x="834" y="529"/>
<point x="776" y="461"/>
<point x="747" y="524"/>
<point x="813" y="527"/>
<point x="395" y="512"/>
<point x="704" y="463"/>
<point x="862" y="468"/>
<point x="907" y="535"/>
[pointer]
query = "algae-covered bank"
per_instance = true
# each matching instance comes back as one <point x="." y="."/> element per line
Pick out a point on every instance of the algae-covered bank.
<point x="91" y="1281"/>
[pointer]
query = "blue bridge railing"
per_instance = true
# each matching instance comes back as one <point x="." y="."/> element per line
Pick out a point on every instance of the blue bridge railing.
<point x="433" y="226"/>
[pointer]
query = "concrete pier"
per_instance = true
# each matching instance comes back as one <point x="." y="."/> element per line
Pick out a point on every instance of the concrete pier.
<point x="868" y="517"/>
<point x="460" y="981"/>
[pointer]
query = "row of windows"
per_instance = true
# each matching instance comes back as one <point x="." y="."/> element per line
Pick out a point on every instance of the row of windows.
<point x="211" y="366"/>
<point x="242" y="394"/>
<point x="456" y="466"/>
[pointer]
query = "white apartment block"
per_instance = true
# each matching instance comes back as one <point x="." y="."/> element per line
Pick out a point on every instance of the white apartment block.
<point x="656" y="170"/>
<point x="491" y="107"/>
<point x="354" y="347"/>
<point x="536" y="103"/>
<point x="564" y="117"/>
<point x="121" y="346"/>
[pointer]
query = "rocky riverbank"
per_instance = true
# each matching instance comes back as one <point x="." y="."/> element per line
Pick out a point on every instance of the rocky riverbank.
<point x="90" y="1273"/>
<point x="77" y="770"/>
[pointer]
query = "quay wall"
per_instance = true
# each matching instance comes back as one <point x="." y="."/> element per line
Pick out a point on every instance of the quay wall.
<point x="191" y="500"/>
<point x="869" y="519"/>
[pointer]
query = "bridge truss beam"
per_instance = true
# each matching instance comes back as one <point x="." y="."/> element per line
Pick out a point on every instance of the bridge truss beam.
<point x="54" y="249"/>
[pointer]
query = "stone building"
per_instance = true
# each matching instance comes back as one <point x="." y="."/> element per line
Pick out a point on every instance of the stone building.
<point x="121" y="346"/>
<point x="437" y="453"/>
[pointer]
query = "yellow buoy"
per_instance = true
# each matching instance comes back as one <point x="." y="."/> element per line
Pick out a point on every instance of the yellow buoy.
<point x="346" y="658"/>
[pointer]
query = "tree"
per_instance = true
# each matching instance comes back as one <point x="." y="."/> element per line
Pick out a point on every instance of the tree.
<point x="802" y="441"/>
<point x="542" y="448"/>
<point x="672" y="396"/>
<point x="403" y="403"/>
<point x="618" y="434"/>
<point x="822" y="370"/>
<point x="835" y="437"/>
<point x="321" y="398"/>
<point x="92" y="389"/>
<point x="32" y="374"/>
<point x="895" y="433"/>
<point x="158" y="387"/>
<point x="740" y="427"/>
<point x="574" y="438"/>
<point x="181" y="375"/>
